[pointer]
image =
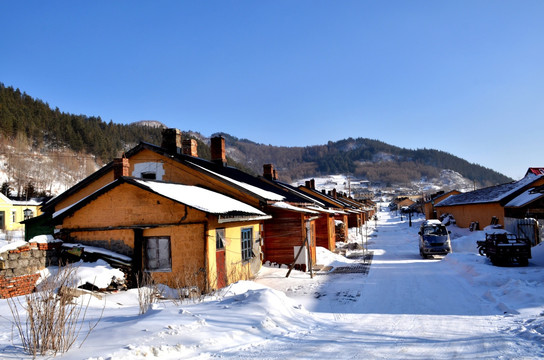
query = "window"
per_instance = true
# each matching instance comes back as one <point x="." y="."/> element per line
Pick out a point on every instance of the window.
<point x="157" y="253"/>
<point x="220" y="239"/>
<point x="149" y="175"/>
<point x="28" y="214"/>
<point x="13" y="216"/>
<point x="247" y="244"/>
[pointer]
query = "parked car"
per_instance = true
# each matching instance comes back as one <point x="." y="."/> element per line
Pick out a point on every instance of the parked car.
<point x="434" y="239"/>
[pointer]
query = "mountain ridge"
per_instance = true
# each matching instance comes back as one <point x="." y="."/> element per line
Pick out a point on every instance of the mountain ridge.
<point x="33" y="126"/>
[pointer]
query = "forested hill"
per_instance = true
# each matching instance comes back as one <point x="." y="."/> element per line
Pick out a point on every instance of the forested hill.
<point x="368" y="159"/>
<point x="23" y="117"/>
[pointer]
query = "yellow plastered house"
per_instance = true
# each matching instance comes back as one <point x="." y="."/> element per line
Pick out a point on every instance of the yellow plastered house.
<point x="12" y="212"/>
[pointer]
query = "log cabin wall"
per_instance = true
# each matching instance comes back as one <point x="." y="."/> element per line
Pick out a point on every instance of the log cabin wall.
<point x="325" y="232"/>
<point x="282" y="233"/>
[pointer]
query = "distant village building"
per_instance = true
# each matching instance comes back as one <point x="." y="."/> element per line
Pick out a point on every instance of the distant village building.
<point x="502" y="204"/>
<point x="13" y="212"/>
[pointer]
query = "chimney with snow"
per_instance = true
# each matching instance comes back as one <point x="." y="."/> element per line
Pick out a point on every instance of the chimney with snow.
<point x="189" y="147"/>
<point x="171" y="140"/>
<point x="120" y="168"/>
<point x="218" y="150"/>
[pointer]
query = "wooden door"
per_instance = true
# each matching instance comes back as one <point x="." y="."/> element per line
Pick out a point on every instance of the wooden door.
<point x="220" y="258"/>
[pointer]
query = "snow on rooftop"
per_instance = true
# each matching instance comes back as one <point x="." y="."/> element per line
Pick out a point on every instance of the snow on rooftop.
<point x="200" y="198"/>
<point x="254" y="189"/>
<point x="524" y="199"/>
<point x="193" y="196"/>
<point x="325" y="210"/>
<point x="98" y="250"/>
<point x="284" y="205"/>
<point x="489" y="194"/>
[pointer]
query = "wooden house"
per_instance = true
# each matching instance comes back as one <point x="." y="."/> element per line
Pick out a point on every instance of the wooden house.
<point x="177" y="161"/>
<point x="486" y="205"/>
<point x="405" y="203"/>
<point x="325" y="232"/>
<point x="339" y="209"/>
<point x="184" y="236"/>
<point x="428" y="205"/>
<point x="290" y="228"/>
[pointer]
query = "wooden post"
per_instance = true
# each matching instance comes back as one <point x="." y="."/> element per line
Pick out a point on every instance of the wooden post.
<point x="296" y="257"/>
<point x="308" y="240"/>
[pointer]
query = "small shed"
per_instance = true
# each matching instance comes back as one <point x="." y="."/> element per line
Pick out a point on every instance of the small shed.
<point x="290" y="228"/>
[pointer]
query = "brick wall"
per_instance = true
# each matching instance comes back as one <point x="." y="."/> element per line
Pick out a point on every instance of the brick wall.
<point x="19" y="267"/>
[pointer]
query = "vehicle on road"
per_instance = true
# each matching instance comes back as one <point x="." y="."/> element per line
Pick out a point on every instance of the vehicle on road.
<point x="504" y="248"/>
<point x="434" y="239"/>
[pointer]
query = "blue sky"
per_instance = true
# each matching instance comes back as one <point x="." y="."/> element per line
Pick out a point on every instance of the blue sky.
<point x="465" y="77"/>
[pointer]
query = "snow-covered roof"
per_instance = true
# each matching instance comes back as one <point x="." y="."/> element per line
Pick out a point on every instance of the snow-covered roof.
<point x="30" y="202"/>
<point x="525" y="198"/>
<point x="268" y="195"/>
<point x="490" y="194"/>
<point x="329" y="211"/>
<point x="199" y="198"/>
<point x="194" y="196"/>
<point x="286" y="206"/>
<point x="98" y="250"/>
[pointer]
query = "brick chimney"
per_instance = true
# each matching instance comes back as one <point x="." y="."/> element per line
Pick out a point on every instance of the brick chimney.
<point x="268" y="171"/>
<point x="189" y="147"/>
<point x="218" y="150"/>
<point x="120" y="168"/>
<point x="171" y="140"/>
<point x="310" y="184"/>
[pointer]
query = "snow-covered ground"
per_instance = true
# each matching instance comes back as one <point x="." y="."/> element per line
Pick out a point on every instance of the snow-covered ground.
<point x="459" y="306"/>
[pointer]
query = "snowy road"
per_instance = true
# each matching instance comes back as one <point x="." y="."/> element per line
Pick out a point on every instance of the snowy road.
<point x="405" y="308"/>
<point x="456" y="307"/>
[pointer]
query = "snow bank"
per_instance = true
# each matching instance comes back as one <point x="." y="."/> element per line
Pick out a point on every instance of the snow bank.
<point x="328" y="258"/>
<point x="99" y="274"/>
<point x="467" y="243"/>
